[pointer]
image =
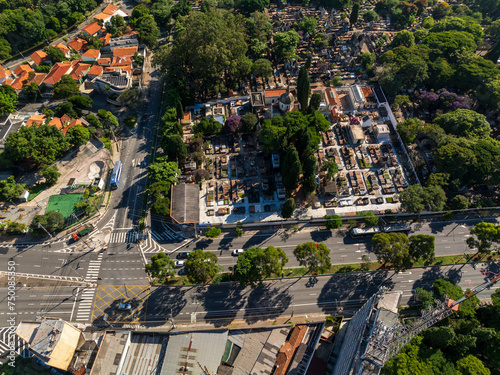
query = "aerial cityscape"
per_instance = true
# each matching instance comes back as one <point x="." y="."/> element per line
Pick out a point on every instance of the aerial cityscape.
<point x="250" y="187"/>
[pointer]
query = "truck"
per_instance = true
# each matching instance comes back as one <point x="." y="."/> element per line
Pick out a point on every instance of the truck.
<point x="82" y="232"/>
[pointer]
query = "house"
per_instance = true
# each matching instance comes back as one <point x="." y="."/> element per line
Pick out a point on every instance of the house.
<point x="93" y="29"/>
<point x="332" y="98"/>
<point x="91" y="55"/>
<point x="79" y="70"/>
<point x="94" y="71"/>
<point x="56" y="73"/>
<point x="20" y="81"/>
<point x="104" y="61"/>
<point x="122" y="61"/>
<point x="22" y="68"/>
<point x="6" y="74"/>
<point x="61" y="47"/>
<point x="288" y="350"/>
<point x="37" y="119"/>
<point x="105" y="39"/>
<point x="125" y="51"/>
<point x="110" y="11"/>
<point x="78" y="44"/>
<point x="39" y="57"/>
<point x="272" y="96"/>
<point x="383" y="133"/>
<point x="37" y="78"/>
<point x="127" y="40"/>
<point x="114" y="82"/>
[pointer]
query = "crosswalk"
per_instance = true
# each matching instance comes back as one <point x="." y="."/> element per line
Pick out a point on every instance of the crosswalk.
<point x="164" y="236"/>
<point x="6" y="335"/>
<point x="87" y="295"/>
<point x="123" y="237"/>
<point x="150" y="245"/>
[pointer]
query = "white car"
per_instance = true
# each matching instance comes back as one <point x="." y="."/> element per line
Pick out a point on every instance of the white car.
<point x="237" y="252"/>
<point x="179" y="263"/>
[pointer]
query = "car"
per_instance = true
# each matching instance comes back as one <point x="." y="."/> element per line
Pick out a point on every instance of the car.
<point x="179" y="263"/>
<point x="181" y="272"/>
<point x="237" y="252"/>
<point x="183" y="255"/>
<point x="124" y="306"/>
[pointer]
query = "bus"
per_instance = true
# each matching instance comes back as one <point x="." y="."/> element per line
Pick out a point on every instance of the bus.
<point x="397" y="228"/>
<point x="116" y="175"/>
<point x="358" y="232"/>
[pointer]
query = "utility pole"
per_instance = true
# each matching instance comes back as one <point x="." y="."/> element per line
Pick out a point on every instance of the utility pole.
<point x="46" y="231"/>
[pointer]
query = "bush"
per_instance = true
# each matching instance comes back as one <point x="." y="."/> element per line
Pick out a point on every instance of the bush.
<point x="333" y="221"/>
<point x="213" y="232"/>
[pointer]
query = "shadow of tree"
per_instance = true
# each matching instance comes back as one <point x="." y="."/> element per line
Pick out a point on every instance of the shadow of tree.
<point x="267" y="302"/>
<point x="321" y="235"/>
<point x="165" y="302"/>
<point x="221" y="302"/>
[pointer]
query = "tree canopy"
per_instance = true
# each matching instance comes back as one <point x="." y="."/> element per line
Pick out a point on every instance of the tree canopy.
<point x="256" y="264"/>
<point x="164" y="170"/>
<point x="201" y="266"/>
<point x="161" y="266"/>
<point x="314" y="256"/>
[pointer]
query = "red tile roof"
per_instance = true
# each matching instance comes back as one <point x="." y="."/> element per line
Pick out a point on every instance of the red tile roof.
<point x="332" y="97"/>
<point x="123" y="68"/>
<point x="79" y="71"/>
<point x="287" y="351"/>
<point x="105" y="39"/>
<point x="22" y="68"/>
<point x="56" y="73"/>
<point x="121" y="60"/>
<point x="38" y="78"/>
<point x="77" y="44"/>
<point x="111" y="9"/>
<point x="96" y="70"/>
<point x="367" y="92"/>
<point x="39" y="57"/>
<point x="273" y="93"/>
<point x="93" y="53"/>
<point x="124" y="51"/>
<point x="39" y="119"/>
<point x="61" y="47"/>
<point x="20" y="81"/>
<point x="92" y="28"/>
<point x="104" y="61"/>
<point x="3" y="74"/>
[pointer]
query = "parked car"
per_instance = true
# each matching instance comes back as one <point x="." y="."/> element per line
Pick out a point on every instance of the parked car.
<point x="179" y="263"/>
<point x="181" y="272"/>
<point x="183" y="255"/>
<point x="124" y="306"/>
<point x="237" y="252"/>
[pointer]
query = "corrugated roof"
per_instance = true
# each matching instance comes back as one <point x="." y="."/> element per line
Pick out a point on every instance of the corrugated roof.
<point x="187" y="349"/>
<point x="185" y="203"/>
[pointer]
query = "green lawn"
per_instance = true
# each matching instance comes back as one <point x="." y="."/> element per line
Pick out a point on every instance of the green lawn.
<point x="65" y="204"/>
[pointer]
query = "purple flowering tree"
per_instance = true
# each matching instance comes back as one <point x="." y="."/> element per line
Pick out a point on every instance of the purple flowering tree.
<point x="427" y="99"/>
<point x="232" y="124"/>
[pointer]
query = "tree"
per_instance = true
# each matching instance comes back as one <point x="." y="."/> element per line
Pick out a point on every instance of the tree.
<point x="160" y="191"/>
<point x="161" y="266"/>
<point x="471" y="365"/>
<point x="315" y="102"/>
<point x="422" y="247"/>
<point x="78" y="135"/>
<point x="248" y="123"/>
<point x="308" y="25"/>
<point x="370" y="16"/>
<point x="413" y="199"/>
<point x="54" y="54"/>
<point x="291" y="169"/>
<point x="164" y="170"/>
<point x="259" y="27"/>
<point x="232" y="124"/>
<point x="174" y="147"/>
<point x="80" y="101"/>
<point x="207" y="127"/>
<point x="65" y="88"/>
<point x="403" y="38"/>
<point x="8" y="99"/>
<point x="10" y="190"/>
<point x="316" y="257"/>
<point x="257" y="264"/>
<point x="288" y="208"/>
<point x="108" y="119"/>
<point x="353" y="17"/>
<point x="285" y="44"/>
<point x="51" y="175"/>
<point x="464" y="123"/>
<point x="331" y="169"/>
<point x="213" y="232"/>
<point x="304" y="86"/>
<point x="148" y="31"/>
<point x="66" y="108"/>
<point x="370" y="219"/>
<point x="439" y="337"/>
<point x="31" y="90"/>
<point x="459" y="202"/>
<point x="425" y="297"/>
<point x="391" y="248"/>
<point x="262" y="68"/>
<point x="333" y="221"/>
<point x="52" y="221"/>
<point x="484" y="236"/>
<point x="249" y="6"/>
<point x="201" y="266"/>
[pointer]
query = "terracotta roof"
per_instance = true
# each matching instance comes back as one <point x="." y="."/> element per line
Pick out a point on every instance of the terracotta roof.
<point x="20" y="81"/>
<point x="94" y="53"/>
<point x="22" y="68"/>
<point x="134" y="32"/>
<point x="125" y="51"/>
<point x="95" y="70"/>
<point x="8" y="82"/>
<point x="92" y="28"/>
<point x="39" y="57"/>
<point x="77" y="44"/>
<point x="104" y="61"/>
<point x="367" y="92"/>
<point x="273" y="93"/>
<point x="111" y="9"/>
<point x="332" y="97"/>
<point x="57" y="72"/>
<point x="105" y="39"/>
<point x="121" y="60"/>
<point x="61" y="47"/>
<point x="287" y="351"/>
<point x="123" y="68"/>
<point x="8" y="73"/>
<point x="3" y="74"/>
<point x="38" y="78"/>
<point x="39" y="119"/>
<point x="79" y="71"/>
<point x="101" y="16"/>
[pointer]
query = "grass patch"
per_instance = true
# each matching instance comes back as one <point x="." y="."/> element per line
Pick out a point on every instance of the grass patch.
<point x="36" y="189"/>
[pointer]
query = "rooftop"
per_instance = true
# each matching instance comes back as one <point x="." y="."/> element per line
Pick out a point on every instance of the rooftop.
<point x="92" y="28"/>
<point x="125" y="51"/>
<point x="94" y="53"/>
<point x="185" y="209"/>
<point x="57" y="72"/>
